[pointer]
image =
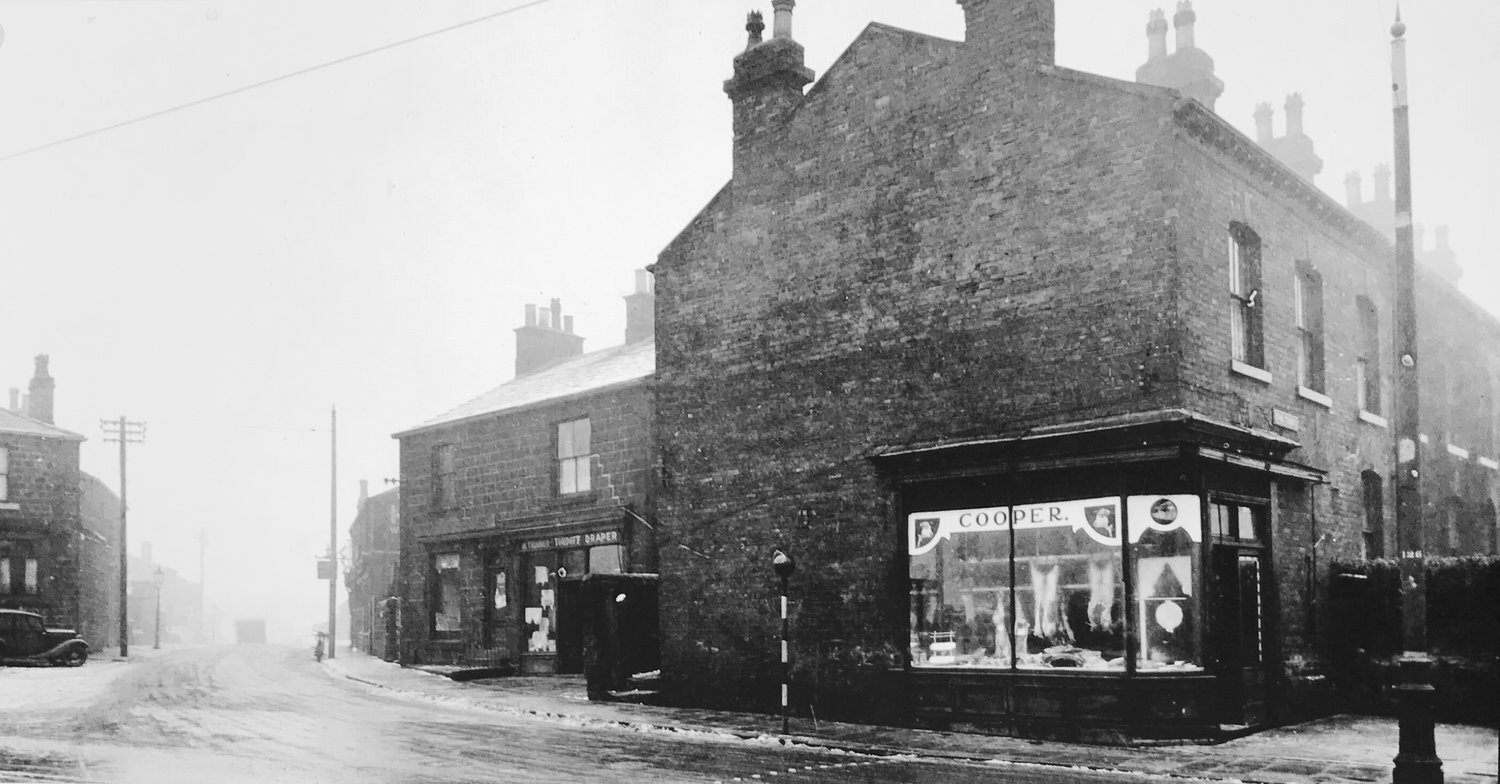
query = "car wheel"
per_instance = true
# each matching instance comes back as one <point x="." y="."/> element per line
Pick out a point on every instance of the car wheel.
<point x="75" y="658"/>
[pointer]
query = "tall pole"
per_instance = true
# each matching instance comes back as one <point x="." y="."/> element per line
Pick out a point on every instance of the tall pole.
<point x="333" y="529"/>
<point x="125" y="432"/>
<point x="784" y="565"/>
<point x="1416" y="760"/>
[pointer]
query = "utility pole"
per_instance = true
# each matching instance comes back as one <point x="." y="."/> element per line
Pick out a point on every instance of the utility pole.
<point x="333" y="530"/>
<point x="1416" y="761"/>
<point x="202" y="576"/>
<point x="125" y="432"/>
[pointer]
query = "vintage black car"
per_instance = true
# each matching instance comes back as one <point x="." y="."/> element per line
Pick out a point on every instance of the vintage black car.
<point x="24" y="639"/>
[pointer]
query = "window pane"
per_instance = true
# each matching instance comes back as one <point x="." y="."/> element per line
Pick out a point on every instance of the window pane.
<point x="1361" y="374"/>
<point x="4" y="575"/>
<point x="1246" y="524"/>
<point x="607" y="559"/>
<point x="445" y="593"/>
<point x="31" y="578"/>
<point x="1167" y="607"/>
<point x="565" y="440"/>
<point x="567" y="477"/>
<point x="1299" y="308"/>
<point x="584" y="480"/>
<point x="1238" y="345"/>
<point x="1235" y="276"/>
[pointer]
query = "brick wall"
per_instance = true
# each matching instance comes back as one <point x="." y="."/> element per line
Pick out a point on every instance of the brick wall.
<point x="44" y="485"/>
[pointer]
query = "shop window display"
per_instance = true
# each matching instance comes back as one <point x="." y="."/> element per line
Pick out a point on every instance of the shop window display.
<point x="1041" y="586"/>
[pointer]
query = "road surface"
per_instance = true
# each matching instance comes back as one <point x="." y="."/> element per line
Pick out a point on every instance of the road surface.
<point x="266" y="713"/>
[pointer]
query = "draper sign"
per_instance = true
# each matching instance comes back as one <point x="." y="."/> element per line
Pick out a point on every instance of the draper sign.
<point x="1097" y="517"/>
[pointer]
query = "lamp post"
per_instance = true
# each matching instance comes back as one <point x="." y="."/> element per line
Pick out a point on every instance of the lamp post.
<point x="157" y="579"/>
<point x="784" y="566"/>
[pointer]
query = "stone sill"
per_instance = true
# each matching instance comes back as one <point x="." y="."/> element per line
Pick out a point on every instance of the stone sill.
<point x="1490" y="464"/>
<point x="1374" y="419"/>
<point x="1315" y="396"/>
<point x="1458" y="452"/>
<point x="1250" y="371"/>
<point x="10" y="507"/>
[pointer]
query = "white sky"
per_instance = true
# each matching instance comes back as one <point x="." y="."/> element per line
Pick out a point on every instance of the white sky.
<point x="368" y="234"/>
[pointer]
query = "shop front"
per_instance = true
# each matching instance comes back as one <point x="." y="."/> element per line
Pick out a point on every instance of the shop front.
<point x="1102" y="596"/>
<point x="551" y="574"/>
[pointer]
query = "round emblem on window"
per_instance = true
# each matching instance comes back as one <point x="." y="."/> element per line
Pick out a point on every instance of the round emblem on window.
<point x="1168" y="616"/>
<point x="1164" y="511"/>
<point x="562" y="571"/>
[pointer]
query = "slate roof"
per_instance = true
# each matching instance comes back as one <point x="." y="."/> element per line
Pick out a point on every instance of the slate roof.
<point x="11" y="422"/>
<point x="589" y="372"/>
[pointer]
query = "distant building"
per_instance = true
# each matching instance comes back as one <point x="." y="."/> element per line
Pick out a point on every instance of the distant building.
<point x="510" y="499"/>
<point x="162" y="602"/>
<point x="46" y="552"/>
<point x="375" y="549"/>
<point x="1061" y="391"/>
<point x="99" y="561"/>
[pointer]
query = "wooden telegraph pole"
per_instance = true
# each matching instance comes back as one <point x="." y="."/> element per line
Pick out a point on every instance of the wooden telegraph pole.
<point x="125" y="432"/>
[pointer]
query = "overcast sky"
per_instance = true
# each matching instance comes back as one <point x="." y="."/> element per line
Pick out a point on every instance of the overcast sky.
<point x="367" y="234"/>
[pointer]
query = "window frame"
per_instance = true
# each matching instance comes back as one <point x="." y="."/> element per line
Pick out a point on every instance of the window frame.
<point x="1307" y="296"/>
<point x="1367" y="360"/>
<point x="4" y="474"/>
<point x="1246" y="297"/>
<point x="573" y="463"/>
<point x="444" y="471"/>
<point x="437" y="600"/>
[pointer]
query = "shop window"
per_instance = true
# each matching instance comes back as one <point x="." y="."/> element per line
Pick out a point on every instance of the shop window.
<point x="574" y="457"/>
<point x="540" y="597"/>
<point x="1235" y="522"/>
<point x="1367" y="361"/>
<point x="1374" y="503"/>
<point x="1047" y="592"/>
<point x="4" y="474"/>
<point x="1245" y="297"/>
<point x="445" y="594"/>
<point x="29" y="582"/>
<point x="497" y="599"/>
<point x="1308" y="306"/>
<point x="5" y="578"/>
<point x="444" y="479"/>
<point x="607" y="559"/>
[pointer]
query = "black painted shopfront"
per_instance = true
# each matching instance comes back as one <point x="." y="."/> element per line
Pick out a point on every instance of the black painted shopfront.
<point x="1094" y="583"/>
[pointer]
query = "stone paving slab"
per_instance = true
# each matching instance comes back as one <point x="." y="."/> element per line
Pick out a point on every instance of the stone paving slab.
<point x="1335" y="750"/>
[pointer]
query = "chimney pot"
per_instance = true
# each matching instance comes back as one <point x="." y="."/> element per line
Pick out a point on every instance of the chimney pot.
<point x="1352" y="189"/>
<point x="755" y="24"/>
<point x="39" y="405"/>
<point x="1294" y="114"/>
<point x="1383" y="183"/>
<point x="1183" y="21"/>
<point x="1156" y="35"/>
<point x="568" y="324"/>
<point x="1263" y="115"/>
<point x="781" y="22"/>
<point x="530" y="315"/>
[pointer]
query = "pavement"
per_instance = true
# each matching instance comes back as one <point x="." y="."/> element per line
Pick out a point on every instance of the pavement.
<point x="1337" y="749"/>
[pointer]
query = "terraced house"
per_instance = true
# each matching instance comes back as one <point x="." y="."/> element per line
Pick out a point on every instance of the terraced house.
<point x="1061" y="391"/>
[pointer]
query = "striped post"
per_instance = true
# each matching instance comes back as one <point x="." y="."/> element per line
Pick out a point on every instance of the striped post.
<point x="784" y="566"/>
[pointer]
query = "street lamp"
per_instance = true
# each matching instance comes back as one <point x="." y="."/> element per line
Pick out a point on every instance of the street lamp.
<point x="158" y="580"/>
<point x="784" y="565"/>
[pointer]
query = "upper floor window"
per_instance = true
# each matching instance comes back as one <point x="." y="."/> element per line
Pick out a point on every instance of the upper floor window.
<point x="4" y="474"/>
<point x="444" y="479"/>
<point x="574" y="454"/>
<point x="1246" y="340"/>
<point x="1307" y="295"/>
<point x="1367" y="360"/>
<point x="1374" y="504"/>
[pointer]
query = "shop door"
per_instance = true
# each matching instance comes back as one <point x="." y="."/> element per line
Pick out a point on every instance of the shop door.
<point x="569" y="628"/>
<point x="1239" y="591"/>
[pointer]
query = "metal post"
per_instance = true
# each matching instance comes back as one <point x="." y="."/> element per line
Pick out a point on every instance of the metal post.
<point x="1416" y="760"/>
<point x="333" y="531"/>
<point x="784" y="566"/>
<point x="124" y="553"/>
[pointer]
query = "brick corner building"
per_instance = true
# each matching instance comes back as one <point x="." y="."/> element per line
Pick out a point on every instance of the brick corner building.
<point x="1060" y="390"/>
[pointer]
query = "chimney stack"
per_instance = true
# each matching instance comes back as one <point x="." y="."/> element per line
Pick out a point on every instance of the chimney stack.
<point x="1353" y="192"/>
<point x="39" y="405"/>
<point x="1441" y="258"/>
<point x="1294" y="115"/>
<point x="766" y="89"/>
<point x="15" y="400"/>
<point x="1295" y="148"/>
<point x="1189" y="69"/>
<point x="640" y="308"/>
<point x="545" y="339"/>
<point x="1011" y="33"/>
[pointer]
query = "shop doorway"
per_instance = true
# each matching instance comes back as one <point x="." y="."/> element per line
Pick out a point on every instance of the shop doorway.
<point x="1239" y="579"/>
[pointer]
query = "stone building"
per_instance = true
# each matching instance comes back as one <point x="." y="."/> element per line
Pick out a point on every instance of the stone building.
<point x="43" y="543"/>
<point x="511" y="499"/>
<point x="374" y="549"/>
<point x="1061" y="391"/>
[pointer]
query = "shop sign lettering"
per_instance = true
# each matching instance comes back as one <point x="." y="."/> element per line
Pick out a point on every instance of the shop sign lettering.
<point x="1098" y="518"/>
<point x="571" y="540"/>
